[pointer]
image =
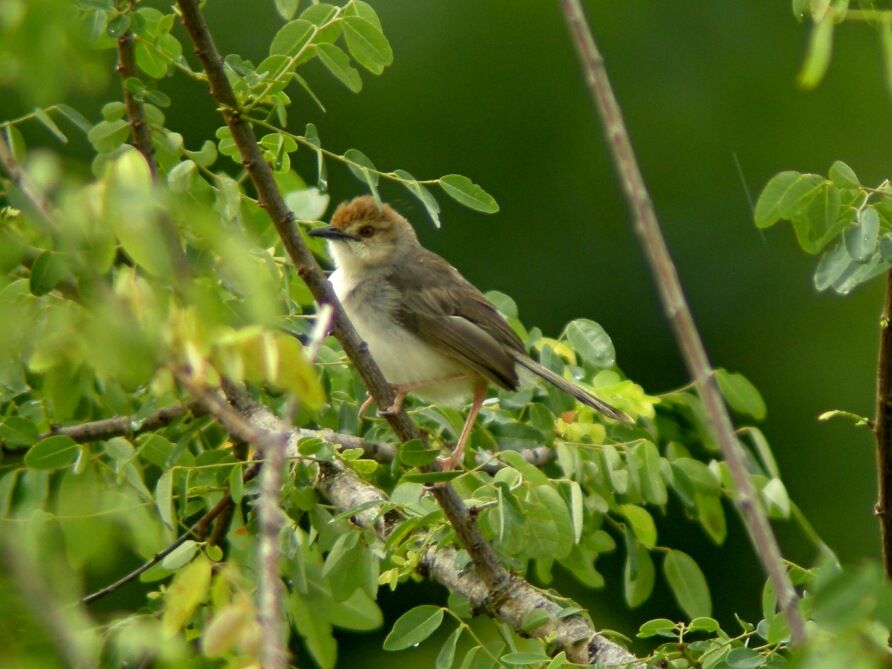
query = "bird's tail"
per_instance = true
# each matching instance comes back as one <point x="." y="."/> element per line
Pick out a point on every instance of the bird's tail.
<point x="570" y="388"/>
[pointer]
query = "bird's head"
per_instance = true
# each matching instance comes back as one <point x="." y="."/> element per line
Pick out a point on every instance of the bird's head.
<point x="362" y="235"/>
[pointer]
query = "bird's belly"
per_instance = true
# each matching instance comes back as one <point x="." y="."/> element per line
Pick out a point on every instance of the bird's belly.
<point x="405" y="359"/>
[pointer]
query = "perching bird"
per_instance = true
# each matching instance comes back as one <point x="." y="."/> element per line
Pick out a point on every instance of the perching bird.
<point x="431" y="331"/>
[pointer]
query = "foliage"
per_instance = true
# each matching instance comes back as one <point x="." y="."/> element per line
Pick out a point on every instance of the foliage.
<point x="104" y="322"/>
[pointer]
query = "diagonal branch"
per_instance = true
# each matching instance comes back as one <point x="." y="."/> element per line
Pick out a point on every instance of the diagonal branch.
<point x="485" y="560"/>
<point x="679" y="314"/>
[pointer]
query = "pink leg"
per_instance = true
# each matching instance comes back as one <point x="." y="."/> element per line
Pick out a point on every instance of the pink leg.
<point x="456" y="457"/>
<point x="397" y="405"/>
<point x="403" y="389"/>
<point x="369" y="401"/>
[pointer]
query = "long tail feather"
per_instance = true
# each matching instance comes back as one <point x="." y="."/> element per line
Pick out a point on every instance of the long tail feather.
<point x="570" y="388"/>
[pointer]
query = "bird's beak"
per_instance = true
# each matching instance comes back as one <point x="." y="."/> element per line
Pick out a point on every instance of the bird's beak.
<point x="328" y="232"/>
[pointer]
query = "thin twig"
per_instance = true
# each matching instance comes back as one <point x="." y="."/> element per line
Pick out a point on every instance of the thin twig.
<point x="674" y="304"/>
<point x="119" y="426"/>
<point x="882" y="429"/>
<point x="198" y="529"/>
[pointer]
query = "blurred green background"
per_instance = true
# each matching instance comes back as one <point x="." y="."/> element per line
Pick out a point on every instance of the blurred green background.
<point x="493" y="90"/>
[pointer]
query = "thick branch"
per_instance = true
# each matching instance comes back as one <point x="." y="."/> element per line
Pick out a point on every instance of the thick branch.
<point x="511" y="603"/>
<point x="120" y="426"/>
<point x="882" y="429"/>
<point x="482" y="554"/>
<point x="677" y="311"/>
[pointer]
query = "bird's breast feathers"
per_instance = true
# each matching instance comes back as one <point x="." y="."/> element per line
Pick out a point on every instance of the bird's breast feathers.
<point x="403" y="357"/>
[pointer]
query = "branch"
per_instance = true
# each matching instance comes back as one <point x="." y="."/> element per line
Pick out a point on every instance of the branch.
<point x="882" y="429"/>
<point x="512" y="603"/>
<point x="141" y="137"/>
<point x="677" y="311"/>
<point x="485" y="560"/>
<point x="120" y="426"/>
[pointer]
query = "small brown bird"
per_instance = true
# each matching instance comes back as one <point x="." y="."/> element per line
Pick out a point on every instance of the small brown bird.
<point x="431" y="331"/>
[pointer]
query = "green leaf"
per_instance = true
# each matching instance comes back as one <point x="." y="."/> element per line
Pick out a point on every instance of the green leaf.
<point x="642" y="524"/>
<point x="358" y="612"/>
<point x="367" y="44"/>
<point x="362" y="168"/>
<point x="777" y="500"/>
<point x="164" y="498"/>
<point x="783" y="195"/>
<point x="46" y="272"/>
<point x="413" y="627"/>
<point x="50" y="124"/>
<point x="422" y="193"/>
<point x="106" y="136"/>
<point x="52" y="453"/>
<point x="817" y="59"/>
<point x="312" y="136"/>
<point x="703" y="624"/>
<point x="17" y="431"/>
<point x="745" y="658"/>
<point x="287" y="8"/>
<point x="75" y="117"/>
<point x="446" y="656"/>
<point x="657" y="627"/>
<point x="820" y="219"/>
<point x="180" y="555"/>
<point x="842" y="175"/>
<point x="639" y="576"/>
<point x="741" y="394"/>
<point x="535" y="618"/>
<point x="291" y="38"/>
<point x="338" y="63"/>
<point x="591" y="341"/>
<point x="577" y="510"/>
<point x="466" y="192"/>
<point x="861" y="240"/>
<point x="711" y="516"/>
<point x="687" y="583"/>
<point x="188" y="589"/>
<point x="416" y="454"/>
<point x="236" y="484"/>
<point x="832" y="265"/>
<point x="315" y="630"/>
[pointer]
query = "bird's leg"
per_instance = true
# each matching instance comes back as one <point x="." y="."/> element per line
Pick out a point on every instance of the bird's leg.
<point x="369" y="401"/>
<point x="456" y="457"/>
<point x="403" y="389"/>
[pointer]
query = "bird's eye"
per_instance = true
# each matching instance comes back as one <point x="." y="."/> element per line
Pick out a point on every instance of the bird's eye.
<point x="367" y="231"/>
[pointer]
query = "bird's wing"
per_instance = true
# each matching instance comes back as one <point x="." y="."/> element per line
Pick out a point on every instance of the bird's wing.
<point x="443" y="309"/>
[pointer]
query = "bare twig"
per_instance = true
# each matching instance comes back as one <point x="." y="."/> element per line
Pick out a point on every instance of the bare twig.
<point x="882" y="429"/>
<point x="118" y="426"/>
<point x="648" y="230"/>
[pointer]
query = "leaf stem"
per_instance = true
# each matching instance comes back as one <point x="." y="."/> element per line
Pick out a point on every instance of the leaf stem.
<point x="882" y="429"/>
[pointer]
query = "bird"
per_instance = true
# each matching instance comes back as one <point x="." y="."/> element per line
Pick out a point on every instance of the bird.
<point x="431" y="331"/>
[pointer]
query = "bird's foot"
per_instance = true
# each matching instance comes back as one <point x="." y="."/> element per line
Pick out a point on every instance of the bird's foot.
<point x="365" y="406"/>
<point x="397" y="405"/>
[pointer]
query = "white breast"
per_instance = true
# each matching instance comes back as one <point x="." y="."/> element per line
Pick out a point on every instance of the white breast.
<point x="403" y="357"/>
